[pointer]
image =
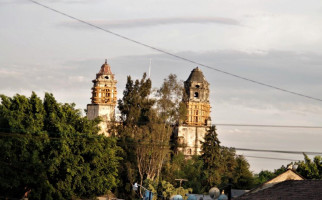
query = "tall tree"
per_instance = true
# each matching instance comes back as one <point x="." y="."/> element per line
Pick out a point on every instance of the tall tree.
<point x="242" y="176"/>
<point x="169" y="100"/>
<point x="136" y="104"/>
<point x="147" y="135"/>
<point x="51" y="151"/>
<point x="211" y="157"/>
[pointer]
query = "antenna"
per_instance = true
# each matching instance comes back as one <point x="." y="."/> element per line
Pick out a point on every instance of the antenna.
<point x="150" y="67"/>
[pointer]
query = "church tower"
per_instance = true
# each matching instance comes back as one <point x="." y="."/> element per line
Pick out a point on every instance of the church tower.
<point x="104" y="98"/>
<point x="197" y="99"/>
<point x="193" y="130"/>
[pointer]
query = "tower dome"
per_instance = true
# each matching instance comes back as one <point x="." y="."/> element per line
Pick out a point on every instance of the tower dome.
<point x="105" y="69"/>
<point x="196" y="75"/>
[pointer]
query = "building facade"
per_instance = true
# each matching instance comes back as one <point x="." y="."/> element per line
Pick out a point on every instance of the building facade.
<point x="104" y="98"/>
<point x="191" y="133"/>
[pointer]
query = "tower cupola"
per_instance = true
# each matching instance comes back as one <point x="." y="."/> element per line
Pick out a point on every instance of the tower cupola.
<point x="104" y="90"/>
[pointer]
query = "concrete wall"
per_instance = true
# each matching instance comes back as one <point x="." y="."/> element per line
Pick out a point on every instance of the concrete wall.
<point x="190" y="137"/>
<point x="106" y="112"/>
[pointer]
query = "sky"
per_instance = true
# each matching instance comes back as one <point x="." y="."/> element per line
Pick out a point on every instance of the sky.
<point x="277" y="42"/>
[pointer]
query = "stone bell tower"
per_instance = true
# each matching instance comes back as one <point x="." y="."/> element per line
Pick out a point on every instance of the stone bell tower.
<point x="104" y="98"/>
<point x="198" y="121"/>
<point x="197" y="99"/>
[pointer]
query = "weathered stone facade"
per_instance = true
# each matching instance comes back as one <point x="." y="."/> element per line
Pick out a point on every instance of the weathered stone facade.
<point x="193" y="130"/>
<point x="104" y="98"/>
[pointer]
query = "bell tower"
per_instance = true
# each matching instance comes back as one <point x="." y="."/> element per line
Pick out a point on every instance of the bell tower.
<point x="197" y="99"/>
<point x="104" y="98"/>
<point x="192" y="132"/>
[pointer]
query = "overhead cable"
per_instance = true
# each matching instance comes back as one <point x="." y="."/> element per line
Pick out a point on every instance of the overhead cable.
<point x="269" y="158"/>
<point x="175" y="55"/>
<point x="80" y="137"/>
<point x="269" y="126"/>
<point x="279" y="151"/>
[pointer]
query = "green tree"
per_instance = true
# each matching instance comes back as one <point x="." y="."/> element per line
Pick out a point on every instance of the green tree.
<point x="242" y="176"/>
<point x="228" y="165"/>
<point x="310" y="169"/>
<point x="169" y="100"/>
<point x="266" y="175"/>
<point x="189" y="169"/>
<point x="211" y="157"/>
<point x="143" y="135"/>
<point x="263" y="176"/>
<point x="51" y="151"/>
<point x="136" y="104"/>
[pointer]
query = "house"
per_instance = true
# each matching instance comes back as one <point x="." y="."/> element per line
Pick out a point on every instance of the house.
<point x="287" y="185"/>
<point x="288" y="190"/>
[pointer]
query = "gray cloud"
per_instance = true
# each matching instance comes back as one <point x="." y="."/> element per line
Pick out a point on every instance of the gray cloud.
<point x="289" y="70"/>
<point x="232" y="100"/>
<point x="144" y="22"/>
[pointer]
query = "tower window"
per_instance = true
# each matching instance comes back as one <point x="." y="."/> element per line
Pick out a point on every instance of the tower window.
<point x="196" y="94"/>
<point x="106" y="77"/>
<point x="197" y="86"/>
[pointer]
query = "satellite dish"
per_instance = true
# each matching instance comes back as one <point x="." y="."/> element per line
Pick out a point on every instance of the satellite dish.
<point x="214" y="192"/>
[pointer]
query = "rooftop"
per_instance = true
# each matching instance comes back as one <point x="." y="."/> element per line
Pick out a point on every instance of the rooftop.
<point x="196" y="75"/>
<point x="288" y="190"/>
<point x="105" y="69"/>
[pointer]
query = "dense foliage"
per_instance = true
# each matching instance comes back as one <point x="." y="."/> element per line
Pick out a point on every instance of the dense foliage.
<point x="48" y="150"/>
<point x="310" y="169"/>
<point x="149" y="158"/>
<point x="143" y="135"/>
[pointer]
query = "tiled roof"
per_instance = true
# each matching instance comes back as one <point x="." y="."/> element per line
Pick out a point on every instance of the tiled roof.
<point x="105" y="69"/>
<point x="288" y="190"/>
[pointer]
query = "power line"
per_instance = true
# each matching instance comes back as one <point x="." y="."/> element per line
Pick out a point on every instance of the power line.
<point x="279" y="151"/>
<point x="269" y="158"/>
<point x="79" y="137"/>
<point x="175" y="55"/>
<point x="269" y="126"/>
<point x="248" y="125"/>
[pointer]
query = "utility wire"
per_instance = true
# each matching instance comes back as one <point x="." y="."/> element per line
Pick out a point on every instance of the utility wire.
<point x="247" y="125"/>
<point x="269" y="126"/>
<point x="79" y="137"/>
<point x="270" y="158"/>
<point x="175" y="55"/>
<point x="279" y="151"/>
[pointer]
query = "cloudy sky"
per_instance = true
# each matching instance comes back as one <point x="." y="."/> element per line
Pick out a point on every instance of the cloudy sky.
<point x="272" y="41"/>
